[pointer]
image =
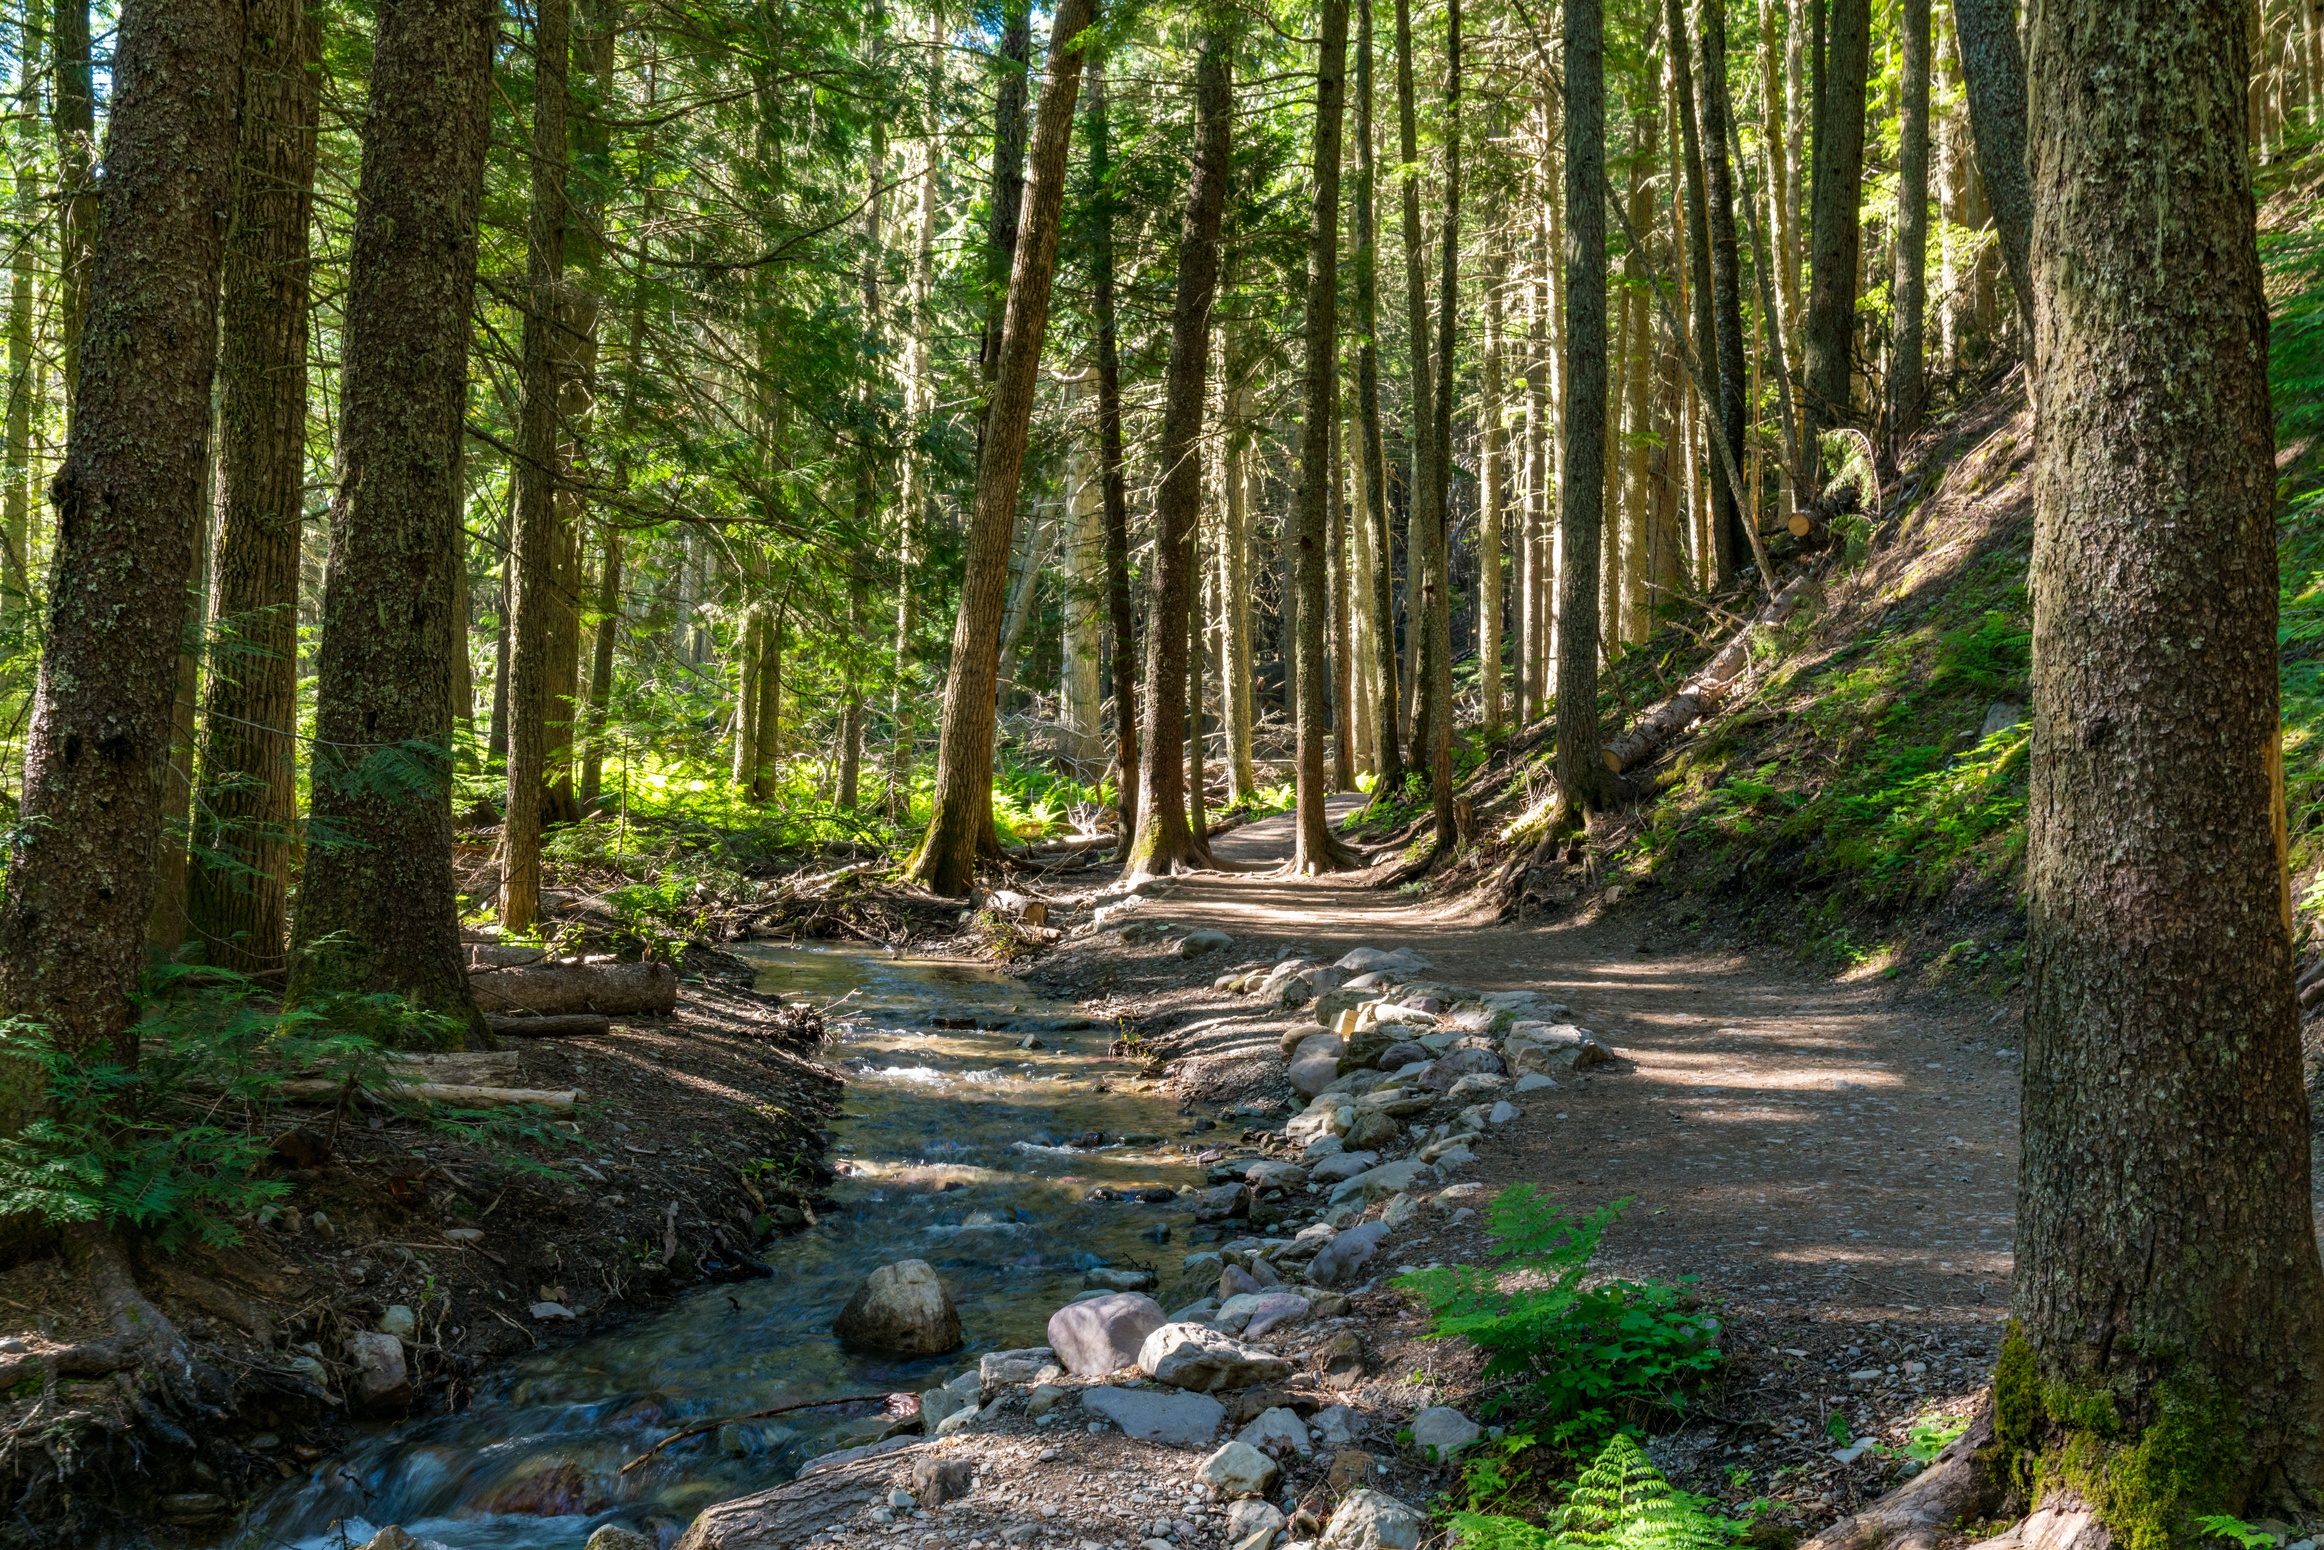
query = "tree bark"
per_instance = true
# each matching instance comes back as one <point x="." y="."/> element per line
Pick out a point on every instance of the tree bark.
<point x="1494" y="495"/>
<point x="539" y="536"/>
<point x="236" y="900"/>
<point x="1387" y="750"/>
<point x="1839" y="180"/>
<point x="601" y="666"/>
<point x="1437" y="585"/>
<point x="74" y="117"/>
<point x="1993" y="77"/>
<point x="1581" y="776"/>
<point x="17" y="604"/>
<point x="1315" y="848"/>
<point x="1343" y="772"/>
<point x="1008" y="183"/>
<point x="961" y="820"/>
<point x="1907" y="374"/>
<point x="1423" y="420"/>
<point x="1242" y="779"/>
<point x="2178" y="1310"/>
<point x="81" y="870"/>
<point x="1728" y="414"/>
<point x="1164" y="843"/>
<point x="377" y="912"/>
<point x="1109" y="455"/>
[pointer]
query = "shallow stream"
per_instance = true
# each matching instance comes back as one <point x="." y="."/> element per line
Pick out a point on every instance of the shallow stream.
<point x="952" y="1149"/>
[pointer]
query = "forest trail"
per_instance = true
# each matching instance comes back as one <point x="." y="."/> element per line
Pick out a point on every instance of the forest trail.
<point x="1834" y="1150"/>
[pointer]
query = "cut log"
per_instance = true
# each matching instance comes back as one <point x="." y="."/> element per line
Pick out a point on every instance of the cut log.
<point x="457" y="1094"/>
<point x="1700" y="695"/>
<point x="809" y="1506"/>
<point x="562" y="1025"/>
<point x="485" y="1068"/>
<point x="621" y="988"/>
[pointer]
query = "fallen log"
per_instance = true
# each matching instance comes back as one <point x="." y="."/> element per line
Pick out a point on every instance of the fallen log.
<point x="1700" y="695"/>
<point x="480" y="1068"/>
<point x="1954" y="1489"/>
<point x="458" y="1094"/>
<point x="621" y="988"/>
<point x="555" y="1025"/>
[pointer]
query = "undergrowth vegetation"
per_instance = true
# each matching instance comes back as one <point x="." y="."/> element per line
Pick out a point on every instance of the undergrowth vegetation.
<point x="179" y="1145"/>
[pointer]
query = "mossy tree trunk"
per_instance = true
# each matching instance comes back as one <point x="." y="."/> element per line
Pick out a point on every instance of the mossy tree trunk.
<point x="80" y="882"/>
<point x="248" y="801"/>
<point x="376" y="909"/>
<point x="1165" y="840"/>
<point x="961" y="821"/>
<point x="2168" y="1355"/>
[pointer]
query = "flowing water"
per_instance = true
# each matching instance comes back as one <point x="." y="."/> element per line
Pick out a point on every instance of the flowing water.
<point x="951" y="1146"/>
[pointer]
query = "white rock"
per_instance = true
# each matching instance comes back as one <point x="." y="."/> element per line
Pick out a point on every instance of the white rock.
<point x="1440" y="1432"/>
<point x="1399" y="1210"/>
<point x="1247" y="1518"/>
<point x="1194" y="1356"/>
<point x="551" y="1310"/>
<point x="1339" y="1260"/>
<point x="1343" y="1165"/>
<point x="1396" y="1178"/>
<point x="1534" y="1081"/>
<point x="903" y="1309"/>
<point x="399" y="1321"/>
<point x="381" y="1381"/>
<point x="1278" y="1424"/>
<point x="1372" y="1520"/>
<point x="1238" y="1469"/>
<point x="1019" y="1366"/>
<point x="1152" y="1415"/>
<point x="1333" y="1427"/>
<point x="1501" y="1113"/>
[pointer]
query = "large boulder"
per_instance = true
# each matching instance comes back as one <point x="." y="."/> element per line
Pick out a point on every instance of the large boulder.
<point x="1238" y="1469"/>
<point x="1196" y="1357"/>
<point x="1315" y="1064"/>
<point x="1221" y="1202"/>
<point x="1339" y="1260"/>
<point x="1275" y="1174"/>
<point x="1402" y="1053"/>
<point x="1371" y="1126"/>
<point x="1103" y="1334"/>
<point x="1373" y="1520"/>
<point x="1178" y="1419"/>
<point x="1553" y="1049"/>
<point x="1450" y="1068"/>
<point x="1396" y="1178"/>
<point x="901" y="1309"/>
<point x="382" y="1385"/>
<point x="1322" y="1118"/>
<point x="1341" y="1165"/>
<point x="1367" y="1045"/>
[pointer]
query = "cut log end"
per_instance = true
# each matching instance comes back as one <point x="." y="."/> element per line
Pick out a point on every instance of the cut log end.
<point x="1801" y="524"/>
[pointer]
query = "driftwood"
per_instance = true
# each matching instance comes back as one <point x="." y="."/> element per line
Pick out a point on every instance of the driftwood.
<point x="1700" y="695"/>
<point x="789" y="1515"/>
<point x="437" y="1092"/>
<point x="620" y="988"/>
<point x="560" y="1025"/>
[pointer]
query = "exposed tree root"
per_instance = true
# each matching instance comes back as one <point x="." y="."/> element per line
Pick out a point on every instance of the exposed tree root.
<point x="1955" y="1488"/>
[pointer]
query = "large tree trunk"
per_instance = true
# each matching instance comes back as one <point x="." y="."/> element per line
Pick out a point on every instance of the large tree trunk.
<point x="17" y="602"/>
<point x="1581" y="776"/>
<point x="1839" y="167"/>
<point x="1343" y="773"/>
<point x="1423" y="415"/>
<point x="377" y="913"/>
<point x="1235" y="568"/>
<point x="248" y="803"/>
<point x="1084" y="604"/>
<point x="1993" y="76"/>
<point x="539" y="534"/>
<point x="80" y="874"/>
<point x="1109" y="454"/>
<point x="919" y="401"/>
<point x="1728" y="414"/>
<point x="74" y="115"/>
<point x="1906" y="370"/>
<point x="1494" y="482"/>
<point x="2169" y="1298"/>
<point x="1008" y="185"/>
<point x="1316" y="848"/>
<point x="1436" y="689"/>
<point x="1164" y="843"/>
<point x="1387" y="750"/>
<point x="962" y="820"/>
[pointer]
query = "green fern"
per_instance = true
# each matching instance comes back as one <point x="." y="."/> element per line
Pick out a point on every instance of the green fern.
<point x="1621" y="1502"/>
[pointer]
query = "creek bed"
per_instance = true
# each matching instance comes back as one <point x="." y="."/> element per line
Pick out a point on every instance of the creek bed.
<point x="952" y="1147"/>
